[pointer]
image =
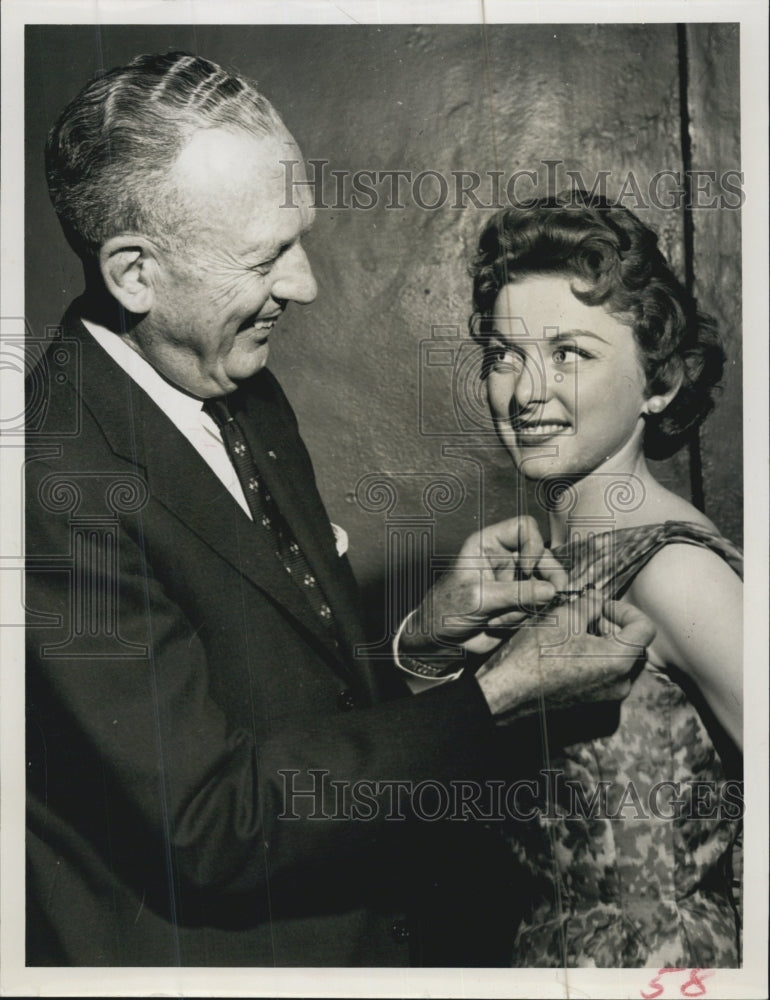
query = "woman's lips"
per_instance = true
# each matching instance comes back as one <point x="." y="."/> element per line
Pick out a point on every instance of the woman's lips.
<point x="538" y="431"/>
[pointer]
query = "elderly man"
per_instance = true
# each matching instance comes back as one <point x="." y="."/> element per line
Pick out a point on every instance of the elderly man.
<point x="191" y="675"/>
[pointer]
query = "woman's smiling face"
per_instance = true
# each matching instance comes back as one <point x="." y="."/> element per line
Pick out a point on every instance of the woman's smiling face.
<point x="565" y="383"/>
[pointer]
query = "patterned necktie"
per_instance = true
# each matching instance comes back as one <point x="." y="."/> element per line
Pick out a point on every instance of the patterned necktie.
<point x="264" y="510"/>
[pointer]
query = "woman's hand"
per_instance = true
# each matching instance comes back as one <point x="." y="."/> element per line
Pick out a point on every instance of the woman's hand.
<point x="501" y="576"/>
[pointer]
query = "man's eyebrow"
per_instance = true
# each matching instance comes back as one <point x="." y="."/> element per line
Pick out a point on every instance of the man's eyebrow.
<point x="264" y="251"/>
<point x="269" y="251"/>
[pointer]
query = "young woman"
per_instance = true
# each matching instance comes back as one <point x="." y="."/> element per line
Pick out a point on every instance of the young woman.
<point x="596" y="358"/>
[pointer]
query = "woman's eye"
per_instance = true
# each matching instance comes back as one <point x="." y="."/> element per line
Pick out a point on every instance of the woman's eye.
<point x="501" y="359"/>
<point x="571" y="352"/>
<point x="504" y="359"/>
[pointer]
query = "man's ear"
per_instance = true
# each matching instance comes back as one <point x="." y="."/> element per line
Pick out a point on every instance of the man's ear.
<point x="128" y="266"/>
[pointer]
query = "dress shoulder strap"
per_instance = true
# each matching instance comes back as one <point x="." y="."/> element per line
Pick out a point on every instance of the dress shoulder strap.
<point x="609" y="561"/>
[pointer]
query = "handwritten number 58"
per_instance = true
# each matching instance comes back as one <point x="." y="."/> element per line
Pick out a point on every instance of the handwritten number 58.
<point x="693" y="987"/>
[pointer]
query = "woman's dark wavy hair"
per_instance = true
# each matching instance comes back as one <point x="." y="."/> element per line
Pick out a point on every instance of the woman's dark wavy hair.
<point x="585" y="236"/>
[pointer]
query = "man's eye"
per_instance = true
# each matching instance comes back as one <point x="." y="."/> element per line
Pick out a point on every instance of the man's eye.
<point x="264" y="267"/>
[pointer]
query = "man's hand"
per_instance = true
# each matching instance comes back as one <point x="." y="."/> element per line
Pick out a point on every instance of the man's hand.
<point x="501" y="576"/>
<point x="557" y="665"/>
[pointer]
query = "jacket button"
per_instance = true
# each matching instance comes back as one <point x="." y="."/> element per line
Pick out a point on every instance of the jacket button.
<point x="400" y="931"/>
<point x="346" y="700"/>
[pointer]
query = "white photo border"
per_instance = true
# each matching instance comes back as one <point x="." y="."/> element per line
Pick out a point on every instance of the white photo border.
<point x="748" y="982"/>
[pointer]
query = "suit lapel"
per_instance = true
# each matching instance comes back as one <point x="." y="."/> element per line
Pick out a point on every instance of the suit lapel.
<point x="284" y="463"/>
<point x="196" y="496"/>
<point x="139" y="431"/>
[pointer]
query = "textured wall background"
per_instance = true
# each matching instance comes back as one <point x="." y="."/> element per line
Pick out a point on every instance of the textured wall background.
<point x="714" y="116"/>
<point x="379" y="368"/>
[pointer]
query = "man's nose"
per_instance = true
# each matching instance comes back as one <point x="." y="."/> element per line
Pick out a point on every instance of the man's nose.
<point x="293" y="277"/>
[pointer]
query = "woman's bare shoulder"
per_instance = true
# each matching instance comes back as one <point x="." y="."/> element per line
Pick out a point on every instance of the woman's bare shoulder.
<point x="687" y="587"/>
<point x="662" y="505"/>
<point x="682" y="570"/>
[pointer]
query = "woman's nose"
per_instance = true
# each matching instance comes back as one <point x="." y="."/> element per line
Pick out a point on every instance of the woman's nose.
<point x="531" y="384"/>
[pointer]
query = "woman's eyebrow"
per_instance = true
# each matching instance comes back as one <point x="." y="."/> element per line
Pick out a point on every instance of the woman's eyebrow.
<point x="558" y="336"/>
<point x="492" y="333"/>
<point x="572" y="334"/>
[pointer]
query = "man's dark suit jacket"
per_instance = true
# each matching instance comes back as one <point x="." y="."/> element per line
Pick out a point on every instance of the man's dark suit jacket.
<point x="173" y="673"/>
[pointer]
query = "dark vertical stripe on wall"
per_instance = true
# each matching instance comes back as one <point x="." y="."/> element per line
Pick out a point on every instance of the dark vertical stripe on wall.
<point x="696" y="464"/>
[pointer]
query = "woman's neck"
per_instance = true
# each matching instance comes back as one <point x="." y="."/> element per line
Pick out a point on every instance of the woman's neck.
<point x="612" y="496"/>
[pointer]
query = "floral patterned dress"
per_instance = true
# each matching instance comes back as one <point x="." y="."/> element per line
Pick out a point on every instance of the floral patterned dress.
<point x="643" y="875"/>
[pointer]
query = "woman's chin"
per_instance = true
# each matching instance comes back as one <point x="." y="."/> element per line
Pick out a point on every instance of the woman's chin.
<point x="535" y="467"/>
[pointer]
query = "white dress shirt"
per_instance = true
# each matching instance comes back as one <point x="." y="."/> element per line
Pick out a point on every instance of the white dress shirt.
<point x="184" y="411"/>
<point x="187" y="415"/>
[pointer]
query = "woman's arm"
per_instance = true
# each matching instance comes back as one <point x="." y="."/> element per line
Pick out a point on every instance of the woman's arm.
<point x="696" y="601"/>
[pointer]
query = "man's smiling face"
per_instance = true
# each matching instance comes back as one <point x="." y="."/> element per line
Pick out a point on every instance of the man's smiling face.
<point x="240" y="262"/>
